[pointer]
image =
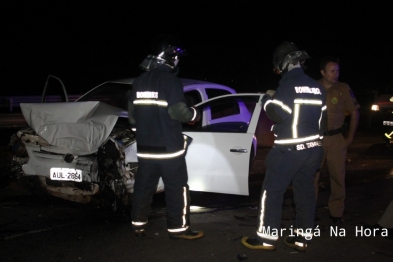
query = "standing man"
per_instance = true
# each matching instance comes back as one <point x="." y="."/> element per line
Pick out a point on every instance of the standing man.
<point x="340" y="103"/>
<point x="157" y="108"/>
<point x="299" y="113"/>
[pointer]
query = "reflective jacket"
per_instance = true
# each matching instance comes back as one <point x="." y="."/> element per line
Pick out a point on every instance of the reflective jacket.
<point x="298" y="109"/>
<point x="156" y="108"/>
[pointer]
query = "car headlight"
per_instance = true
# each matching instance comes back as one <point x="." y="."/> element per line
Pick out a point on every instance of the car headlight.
<point x="375" y="108"/>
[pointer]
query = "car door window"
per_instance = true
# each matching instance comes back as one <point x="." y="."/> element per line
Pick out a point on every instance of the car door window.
<point x="214" y="92"/>
<point x="227" y="114"/>
<point x="192" y="97"/>
<point x="223" y="109"/>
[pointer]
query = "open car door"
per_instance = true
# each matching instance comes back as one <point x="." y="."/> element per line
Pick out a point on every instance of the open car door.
<point x="218" y="159"/>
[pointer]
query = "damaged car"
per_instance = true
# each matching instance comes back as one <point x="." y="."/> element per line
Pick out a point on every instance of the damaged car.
<point x="86" y="150"/>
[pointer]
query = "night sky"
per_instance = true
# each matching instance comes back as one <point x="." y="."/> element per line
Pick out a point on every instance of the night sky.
<point x="232" y="44"/>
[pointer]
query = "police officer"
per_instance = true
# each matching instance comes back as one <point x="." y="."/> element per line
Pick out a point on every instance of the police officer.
<point x="157" y="109"/>
<point x="298" y="110"/>
<point x="340" y="102"/>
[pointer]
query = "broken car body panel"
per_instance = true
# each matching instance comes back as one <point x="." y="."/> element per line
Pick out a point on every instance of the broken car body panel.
<point x="79" y="127"/>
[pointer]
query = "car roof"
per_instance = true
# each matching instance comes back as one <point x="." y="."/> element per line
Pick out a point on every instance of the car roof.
<point x="185" y="81"/>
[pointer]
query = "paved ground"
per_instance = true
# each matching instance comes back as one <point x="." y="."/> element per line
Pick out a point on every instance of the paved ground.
<point x="57" y="231"/>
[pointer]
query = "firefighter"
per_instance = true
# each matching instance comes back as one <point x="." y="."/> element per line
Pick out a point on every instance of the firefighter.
<point x="298" y="111"/>
<point x="157" y="109"/>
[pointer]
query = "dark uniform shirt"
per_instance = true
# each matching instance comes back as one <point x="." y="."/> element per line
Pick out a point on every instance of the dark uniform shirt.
<point x="153" y="94"/>
<point x="340" y="102"/>
<point x="298" y="109"/>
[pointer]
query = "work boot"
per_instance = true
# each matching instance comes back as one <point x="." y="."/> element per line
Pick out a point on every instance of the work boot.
<point x="292" y="243"/>
<point x="188" y="235"/>
<point x="255" y="243"/>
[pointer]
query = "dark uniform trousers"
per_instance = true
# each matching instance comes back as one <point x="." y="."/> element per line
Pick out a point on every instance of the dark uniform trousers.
<point x="283" y="168"/>
<point x="174" y="174"/>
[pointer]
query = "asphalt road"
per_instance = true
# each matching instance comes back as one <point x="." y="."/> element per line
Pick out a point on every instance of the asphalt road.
<point x="36" y="227"/>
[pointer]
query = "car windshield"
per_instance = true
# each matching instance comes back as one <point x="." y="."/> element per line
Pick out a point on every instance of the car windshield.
<point x="115" y="94"/>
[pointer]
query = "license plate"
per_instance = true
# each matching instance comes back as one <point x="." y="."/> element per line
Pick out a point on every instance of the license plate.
<point x="388" y="123"/>
<point x="66" y="174"/>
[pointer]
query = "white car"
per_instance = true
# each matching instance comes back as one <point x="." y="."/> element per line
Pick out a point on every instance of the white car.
<point x="83" y="148"/>
<point x="195" y="92"/>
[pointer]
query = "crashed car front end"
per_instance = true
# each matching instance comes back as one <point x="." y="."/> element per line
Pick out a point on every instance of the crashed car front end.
<point x="77" y="150"/>
<point x="60" y="173"/>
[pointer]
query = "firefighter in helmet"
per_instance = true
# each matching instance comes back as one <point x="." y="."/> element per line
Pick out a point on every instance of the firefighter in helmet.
<point x="157" y="109"/>
<point x="298" y="111"/>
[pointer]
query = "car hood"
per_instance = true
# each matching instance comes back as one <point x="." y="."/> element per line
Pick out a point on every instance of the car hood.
<point x="76" y="126"/>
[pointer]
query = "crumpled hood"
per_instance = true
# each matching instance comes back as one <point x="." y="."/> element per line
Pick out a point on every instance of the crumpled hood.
<point x="75" y="126"/>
